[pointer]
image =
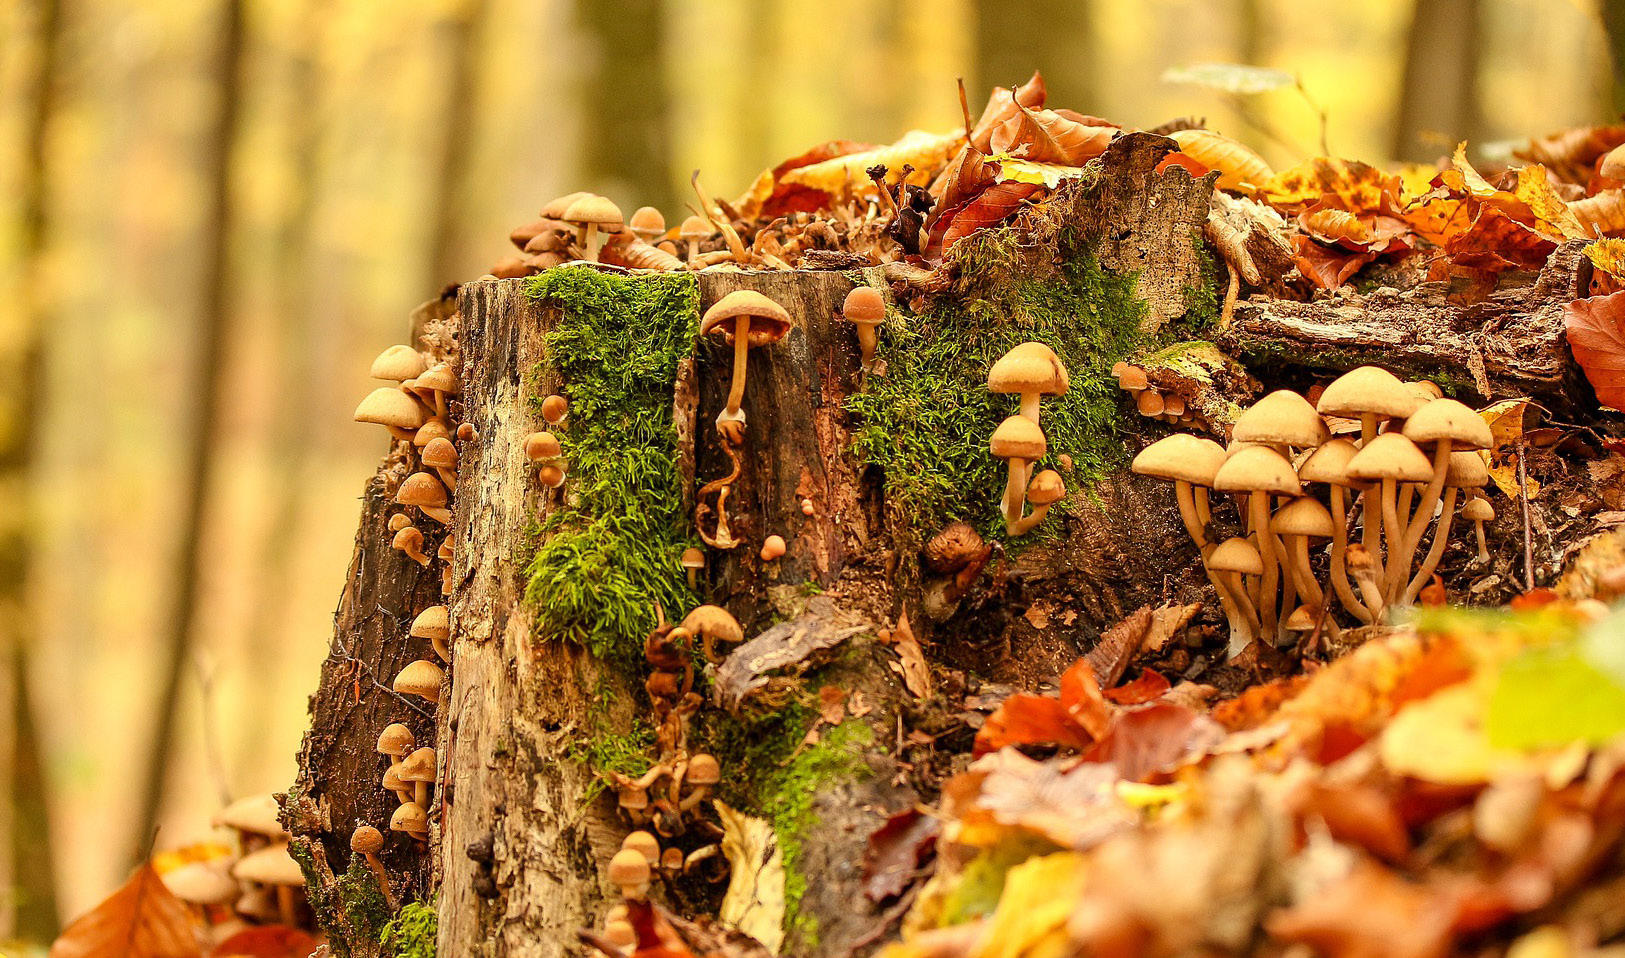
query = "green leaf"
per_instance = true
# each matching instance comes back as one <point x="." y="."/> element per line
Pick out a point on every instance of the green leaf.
<point x="1556" y="695"/>
<point x="1230" y="77"/>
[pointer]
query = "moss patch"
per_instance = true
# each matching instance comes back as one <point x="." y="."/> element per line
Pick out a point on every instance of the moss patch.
<point x="412" y="933"/>
<point x="612" y="552"/>
<point x="354" y="910"/>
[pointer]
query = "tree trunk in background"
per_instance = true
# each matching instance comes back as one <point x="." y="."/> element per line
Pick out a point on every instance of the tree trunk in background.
<point x="1252" y="33"/>
<point x="1613" y="22"/>
<point x="462" y="32"/>
<point x="1438" y="104"/>
<point x="197" y="456"/>
<point x="1056" y="36"/>
<point x="27" y="873"/>
<point x="625" y="103"/>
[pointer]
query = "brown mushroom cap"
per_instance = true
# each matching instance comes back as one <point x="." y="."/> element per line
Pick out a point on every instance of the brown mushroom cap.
<point x="772" y="548"/>
<point x="392" y="779"/>
<point x="397" y="740"/>
<point x="418" y="766"/>
<point x="1303" y="516"/>
<point x="1368" y="390"/>
<point x="1046" y="488"/>
<point x="1613" y="164"/>
<point x="644" y="844"/>
<point x="696" y="228"/>
<point x="440" y="454"/>
<point x="1257" y="469"/>
<point x="715" y="621"/>
<point x="421" y="489"/>
<point x="432" y="623"/>
<point x="1330" y="464"/>
<point x="1029" y="368"/>
<point x="1018" y="438"/>
<point x="1391" y="456"/>
<point x="594" y="209"/>
<point x="629" y="867"/>
<point x="438" y="379"/>
<point x="1466" y="470"/>
<point x="554" y="210"/>
<point x="202" y="883"/>
<point x="555" y="408"/>
<point x="620" y="933"/>
<point x="409" y="817"/>
<point x="864" y="305"/>
<point x="768" y="320"/>
<point x="366" y="840"/>
<point x="1302" y="619"/>
<point x="256" y="814"/>
<point x="1478" y="509"/>
<point x="1448" y="419"/>
<point x="647" y="222"/>
<point x="542" y="445"/>
<point x="693" y="558"/>
<point x="704" y="770"/>
<point x="421" y="678"/>
<point x="1181" y="457"/>
<point x="1284" y="418"/>
<point x="1236" y="555"/>
<point x="271" y="865"/>
<point x="431" y="430"/>
<point x="398" y="364"/>
<point x="390" y="406"/>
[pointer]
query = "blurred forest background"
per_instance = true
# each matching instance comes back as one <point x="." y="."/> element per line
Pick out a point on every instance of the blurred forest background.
<point x="218" y="211"/>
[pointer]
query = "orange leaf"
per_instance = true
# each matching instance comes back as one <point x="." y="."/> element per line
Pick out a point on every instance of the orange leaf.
<point x="1596" y="329"/>
<point x="1240" y="169"/>
<point x="266" y="941"/>
<point x="143" y="919"/>
<point x="1045" y="136"/>
<point x="1327" y="266"/>
<point x="1605" y="212"/>
<point x="1151" y="740"/>
<point x="1359" y="186"/>
<point x="1027" y="719"/>
<point x="999" y="109"/>
<point x="1081" y="695"/>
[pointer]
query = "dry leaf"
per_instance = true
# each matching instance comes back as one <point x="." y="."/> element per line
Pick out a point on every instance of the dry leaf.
<point x="1596" y="330"/>
<point x="1000" y="108"/>
<point x="1572" y="155"/>
<point x="143" y="919"/>
<point x="916" y="674"/>
<point x="1038" y="898"/>
<point x="1604" y="213"/>
<point x="895" y="851"/>
<point x="1373" y="913"/>
<point x="1359" y="186"/>
<point x="767" y="196"/>
<point x="266" y="941"/>
<point x="1240" y="169"/>
<point x="831" y="705"/>
<point x="754" y="902"/>
<point x="1046" y="136"/>
<point x="845" y="175"/>
<point x="987" y="209"/>
<point x="1506" y="421"/>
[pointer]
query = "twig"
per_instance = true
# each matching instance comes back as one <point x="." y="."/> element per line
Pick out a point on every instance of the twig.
<point x="1528" y="545"/>
<point x="211" y="740"/>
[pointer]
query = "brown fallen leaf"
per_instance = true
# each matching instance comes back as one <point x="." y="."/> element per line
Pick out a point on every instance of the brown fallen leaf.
<point x="1359" y="186"/>
<point x="1373" y="913"/>
<point x="1075" y="719"/>
<point x="1001" y="106"/>
<point x="1240" y="169"/>
<point x="1046" y="136"/>
<point x="987" y="209"/>
<point x="895" y="851"/>
<point x="143" y="919"/>
<point x="1596" y="331"/>
<point x="1143" y="630"/>
<point x="831" y="705"/>
<point x="916" y="674"/>
<point x="266" y="941"/>
<point x="1148" y="741"/>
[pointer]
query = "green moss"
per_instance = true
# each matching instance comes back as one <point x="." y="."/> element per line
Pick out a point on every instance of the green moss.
<point x="612" y="552"/>
<point x="412" y="933"/>
<point x="609" y="748"/>
<point x="1203" y="303"/>
<point x="354" y="911"/>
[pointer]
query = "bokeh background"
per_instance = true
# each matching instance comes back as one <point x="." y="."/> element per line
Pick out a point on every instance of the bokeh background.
<point x="217" y="211"/>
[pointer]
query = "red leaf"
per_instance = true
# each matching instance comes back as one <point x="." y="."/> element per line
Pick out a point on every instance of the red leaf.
<point x="895" y="852"/>
<point x="266" y="941"/>
<point x="1145" y="742"/>
<point x="1328" y="267"/>
<point x="1150" y="685"/>
<point x="1027" y="719"/>
<point x="143" y="919"/>
<point x="989" y="208"/>
<point x="1080" y="693"/>
<point x="1596" y="329"/>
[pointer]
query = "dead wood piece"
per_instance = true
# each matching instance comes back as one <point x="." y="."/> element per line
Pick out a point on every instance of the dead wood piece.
<point x="784" y="645"/>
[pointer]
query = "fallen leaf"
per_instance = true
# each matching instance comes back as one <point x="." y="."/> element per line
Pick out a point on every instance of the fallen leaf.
<point x="1154" y="739"/>
<point x="1150" y="685"/>
<point x="1573" y="154"/>
<point x="143" y="919"/>
<point x="1240" y="169"/>
<point x="767" y="196"/>
<point x="1506" y="420"/>
<point x="1442" y="739"/>
<point x="845" y="175"/>
<point x="916" y="674"/>
<point x="1076" y="807"/>
<point x="1001" y="108"/>
<point x="1549" y="697"/>
<point x="1039" y="895"/>
<point x="1143" y="630"/>
<point x="266" y="941"/>
<point x="1075" y="719"/>
<point x="1359" y="186"/>
<point x="989" y="208"/>
<point x="831" y="705"/>
<point x="1603" y="213"/>
<point x="1596" y="331"/>
<point x="754" y="901"/>
<point x="1372" y="913"/>
<point x="1037" y="614"/>
<point x="895" y="851"/>
<point x="1607" y="257"/>
<point x="1045" y="136"/>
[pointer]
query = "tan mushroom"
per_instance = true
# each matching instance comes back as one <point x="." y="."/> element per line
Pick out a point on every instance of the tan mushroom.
<point x="1019" y="442"/>
<point x="427" y="494"/>
<point x="1297" y="522"/>
<point x="398" y="364"/>
<point x="1479" y="511"/>
<point x="1230" y="561"/>
<point x="396" y="741"/>
<point x="441" y="456"/>
<point x="418" y="771"/>
<point x="436" y="385"/>
<point x="555" y="408"/>
<point x="592" y="215"/>
<point x="1466" y="472"/>
<point x="409" y="539"/>
<point x="712" y="623"/>
<point x="1281" y="420"/>
<point x="421" y="678"/>
<point x="367" y="842"/>
<point x="394" y="409"/>
<point x="647" y="224"/>
<point x="1329" y="465"/>
<point x="1261" y="472"/>
<point x="745" y="319"/>
<point x="629" y="871"/>
<point x="434" y="624"/>
<point x="1032" y="371"/>
<point x="1445" y="425"/>
<point x="694" y="231"/>
<point x="1045" y="490"/>
<point x="273" y="866"/>
<point x="693" y="561"/>
<point x="411" y="819"/>
<point x="865" y="309"/>
<point x="1389" y="459"/>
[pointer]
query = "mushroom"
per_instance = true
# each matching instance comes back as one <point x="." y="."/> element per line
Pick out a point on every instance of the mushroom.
<point x="398" y="521"/>
<point x="644" y="844"/>
<point x="1389" y="459"/>
<point x="1230" y="560"/>
<point x="555" y="408"/>
<point x="745" y="319"/>
<point x="441" y="456"/>
<point x="1045" y="490"/>
<point x="1261" y="472"/>
<point x="589" y="215"/>
<point x="1031" y="370"/>
<point x="394" y="409"/>
<point x="671" y="860"/>
<point x="1020" y="442"/>
<point x="865" y="309"/>
<point x="398" y="364"/>
<point x="434" y="624"/>
<point x="554" y="210"/>
<point x="1479" y="511"/>
<point x="1130" y="378"/>
<point x="411" y="819"/>
<point x="421" y="678"/>
<point x="435" y="385"/>
<point x="1370" y="394"/>
<point x="1366" y="569"/>
<point x="1281" y="420"/>
<point x="467" y="433"/>
<point x="1465" y="471"/>
<point x="711" y="623"/>
<point x="550" y="475"/>
<point x="409" y="539"/>
<point x="629" y="870"/>
<point x="397" y="742"/>
<point x="201" y="885"/>
<point x="1191" y="462"/>
<point x="1447" y="426"/>
<point x="257" y="819"/>
<point x="703" y="775"/>
<point x="1329" y="464"/>
<point x="417" y="770"/>
<point x="431" y="430"/>
<point x="647" y="224"/>
<point x="367" y="841"/>
<point x="273" y="866"/>
<point x="427" y="494"/>
<point x="693" y="561"/>
<point x="694" y="231"/>
<point x="542" y="446"/>
<point x="391" y="782"/>
<point x="1298" y="521"/>
<point x="772" y="548"/>
<point x="620" y="933"/>
<point x="634" y="802"/>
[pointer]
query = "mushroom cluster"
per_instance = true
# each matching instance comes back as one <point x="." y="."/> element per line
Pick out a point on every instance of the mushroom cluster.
<point x="1151" y="401"/>
<point x="410" y="775"/>
<point x="1414" y="465"/>
<point x="265" y="883"/>
<point x="1031" y="371"/>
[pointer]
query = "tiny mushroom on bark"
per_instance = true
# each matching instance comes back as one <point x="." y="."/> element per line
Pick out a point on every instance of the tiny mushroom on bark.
<point x="411" y="819"/>
<point x="417" y="770"/>
<point x="644" y="844"/>
<point x="629" y="870"/>
<point x="392" y="783"/>
<point x="865" y="309"/>
<point x="409" y="539"/>
<point x="435" y="385"/>
<point x="1031" y="370"/>
<point x="1479" y="511"/>
<point x="421" y="678"/>
<point x="441" y="456"/>
<point x="647" y="223"/>
<point x="555" y="408"/>
<point x="431" y="430"/>
<point x="694" y="231"/>
<point x="772" y="548"/>
<point x="434" y="624"/>
<point x="592" y="215"/>
<point x="1020" y="442"/>
<point x="394" y="409"/>
<point x="745" y="319"/>
<point x="712" y="623"/>
<point x="550" y="475"/>
<point x="1261" y="472"/>
<point x="1046" y="489"/>
<point x="398" y="364"/>
<point x="367" y="842"/>
<point x="693" y="561"/>
<point x="703" y="775"/>
<point x="397" y="742"/>
<point x="427" y="494"/>
<point x="398" y="521"/>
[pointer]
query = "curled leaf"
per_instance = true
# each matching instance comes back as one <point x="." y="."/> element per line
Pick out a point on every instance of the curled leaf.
<point x="1045" y="136"/>
<point x="1596" y="331"/>
<point x="1240" y="169"/>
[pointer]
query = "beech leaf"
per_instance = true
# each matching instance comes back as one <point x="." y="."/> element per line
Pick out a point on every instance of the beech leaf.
<point x="1239" y="78"/>
<point x="1045" y="136"/>
<point x="1596" y="330"/>
<point x="143" y="919"/>
<point x="266" y="941"/>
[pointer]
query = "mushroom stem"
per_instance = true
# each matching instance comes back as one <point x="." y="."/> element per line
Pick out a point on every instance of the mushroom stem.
<point x="1025" y="524"/>
<point x="1340" y="575"/>
<point x="867" y="340"/>
<point x="1204" y="508"/>
<point x="1393" y="532"/>
<point x="1365" y="569"/>
<point x="693" y="251"/>
<point x="736" y="390"/>
<point x="400" y="433"/>
<point x="1190" y="510"/>
<point x="1266" y="551"/>
<point x="1424" y="514"/>
<point x="287" y="908"/>
<point x="1483" y="547"/>
<point x="1370" y="519"/>
<point x="1289" y="588"/>
<point x="1029" y="405"/>
<point x="447" y="476"/>
<point x="420" y="793"/>
<point x="1244" y="630"/>
<point x="591" y="242"/>
<point x="1305" y="576"/>
<point x="1441" y="536"/>
<point x="1015" y="489"/>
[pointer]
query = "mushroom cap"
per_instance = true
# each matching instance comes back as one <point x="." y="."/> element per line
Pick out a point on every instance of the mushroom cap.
<point x="1029" y="368"/>
<point x="644" y="844"/>
<point x="1283" y="417"/>
<point x="542" y="445"/>
<point x="417" y="767"/>
<point x="555" y="408"/>
<point x="715" y="621"/>
<point x="440" y="453"/>
<point x="1130" y="378"/>
<point x="421" y="678"/>
<point x="1304" y="516"/>
<point x="1466" y="470"/>
<point x="695" y="228"/>
<point x="396" y="739"/>
<point x="410" y="817"/>
<point x="1181" y="457"/>
<point x="271" y="865"/>
<point x="550" y="476"/>
<point x="432" y="623"/>
<point x="1368" y="390"/>
<point x="1448" y="419"/>
<point x="1302" y="619"/>
<point x="594" y="209"/>
<point x="1478" y="509"/>
<point x="421" y="489"/>
<point x="633" y="798"/>
<point x="256" y="814"/>
<point x="703" y="770"/>
<point x="1613" y="164"/>
<point x="620" y="933"/>
<point x="392" y="779"/>
<point x="864" y="305"/>
<point x="772" y="548"/>
<point x="439" y="378"/>
<point x="202" y="883"/>
<point x="366" y="840"/>
<point x="1236" y="555"/>
<point x="431" y="430"/>
<point x="672" y="858"/>
<point x="768" y="320"/>
<point x="1329" y="463"/>
<point x="647" y="219"/>
<point x="554" y="210"/>
<point x="1018" y="438"/>
<point x="1257" y="469"/>
<point x="693" y="558"/>
<point x="1391" y="456"/>
<point x="1046" y="488"/>
<point x="408" y="538"/>
<point x="629" y="867"/>
<point x="390" y="406"/>
<point x="398" y="364"/>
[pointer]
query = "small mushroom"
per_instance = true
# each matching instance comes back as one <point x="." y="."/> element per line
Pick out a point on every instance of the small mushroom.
<point x="1130" y="378"/>
<point x="1390" y="459"/>
<point x="1465" y="473"/>
<point x="647" y="224"/>
<point x="542" y="446"/>
<point x="1372" y="395"/>
<point x="555" y="408"/>
<point x="409" y="539"/>
<point x="1447" y="426"/>
<point x="694" y="231"/>
<point x="427" y="494"/>
<point x="1230" y="561"/>
<point x="591" y="215"/>
<point x="745" y="319"/>
<point x="421" y="678"/>
<point x="434" y="624"/>
<point x="411" y="819"/>
<point x="629" y="871"/>
<point x="554" y="210"/>
<point x="1261" y="472"/>
<point x="865" y="309"/>
<point x="467" y="433"/>
<point x="367" y="841"/>
<point x="644" y="844"/>
<point x="1281" y="420"/>
<point x="772" y="548"/>
<point x="1367" y="571"/>
<point x="398" y="364"/>
<point x="550" y="475"/>
<point x="807" y="507"/>
<point x="441" y="456"/>
<point x="391" y="782"/>
<point x="1329" y="465"/>
<point x="394" y="409"/>
<point x="1479" y="511"/>
<point x="397" y="742"/>
<point x="398" y="521"/>
<point x="273" y="866"/>
<point x="671" y="860"/>
<point x="417" y="770"/>
<point x="431" y="430"/>
<point x="1031" y="370"/>
<point x="1297" y="522"/>
<point x="703" y="775"/>
<point x="693" y="561"/>
<point x="1019" y="442"/>
<point x="435" y="385"/>
<point x="257" y="819"/>
<point x="202" y="885"/>
<point x="1045" y="490"/>
<point x="711" y="623"/>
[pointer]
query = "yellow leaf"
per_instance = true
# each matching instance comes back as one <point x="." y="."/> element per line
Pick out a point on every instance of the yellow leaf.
<point x="1039" y="895"/>
<point x="754" y="902"/>
<point x="1506" y="422"/>
<point x="928" y="153"/>
<point x="1442" y="739"/>
<point x="1018" y="170"/>
<point x="1608" y="255"/>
